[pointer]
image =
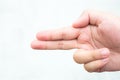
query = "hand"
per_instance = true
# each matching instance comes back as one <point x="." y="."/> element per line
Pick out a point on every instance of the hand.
<point x="91" y="34"/>
<point x="105" y="34"/>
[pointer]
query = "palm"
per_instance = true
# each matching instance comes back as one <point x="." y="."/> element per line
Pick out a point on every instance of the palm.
<point x="95" y="37"/>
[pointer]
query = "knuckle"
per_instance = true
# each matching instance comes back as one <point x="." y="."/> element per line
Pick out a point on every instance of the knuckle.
<point x="94" y="56"/>
<point x="63" y="35"/>
<point x="61" y="45"/>
<point x="51" y="36"/>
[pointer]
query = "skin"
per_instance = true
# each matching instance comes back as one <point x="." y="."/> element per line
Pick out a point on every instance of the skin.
<point x="95" y="35"/>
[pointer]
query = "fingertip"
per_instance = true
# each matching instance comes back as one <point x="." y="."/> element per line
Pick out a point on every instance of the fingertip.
<point x="77" y="57"/>
<point x="75" y="24"/>
<point x="41" y="35"/>
<point x="32" y="45"/>
<point x="37" y="45"/>
<point x="82" y="21"/>
<point x="38" y="35"/>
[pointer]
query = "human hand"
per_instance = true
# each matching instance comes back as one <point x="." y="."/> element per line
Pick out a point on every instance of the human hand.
<point x="98" y="49"/>
<point x="105" y="34"/>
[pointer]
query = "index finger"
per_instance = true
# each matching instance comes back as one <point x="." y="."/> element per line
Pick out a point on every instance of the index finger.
<point x="66" y="33"/>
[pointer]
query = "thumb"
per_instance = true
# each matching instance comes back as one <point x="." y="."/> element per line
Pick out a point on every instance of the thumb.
<point x="89" y="17"/>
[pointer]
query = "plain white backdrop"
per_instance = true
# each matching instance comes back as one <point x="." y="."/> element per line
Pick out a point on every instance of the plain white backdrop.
<point x="20" y="20"/>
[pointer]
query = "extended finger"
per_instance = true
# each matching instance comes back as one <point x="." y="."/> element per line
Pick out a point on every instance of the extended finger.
<point x="51" y="45"/>
<point x="96" y="66"/>
<point x="85" y="56"/>
<point x="66" y="33"/>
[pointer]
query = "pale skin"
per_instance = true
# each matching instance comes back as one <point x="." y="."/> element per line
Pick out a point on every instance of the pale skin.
<point x="95" y="34"/>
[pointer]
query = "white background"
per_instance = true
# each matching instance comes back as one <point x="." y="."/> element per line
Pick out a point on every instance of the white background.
<point x="20" y="20"/>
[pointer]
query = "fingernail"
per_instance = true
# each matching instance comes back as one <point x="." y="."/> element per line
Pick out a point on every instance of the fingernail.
<point x="104" y="52"/>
